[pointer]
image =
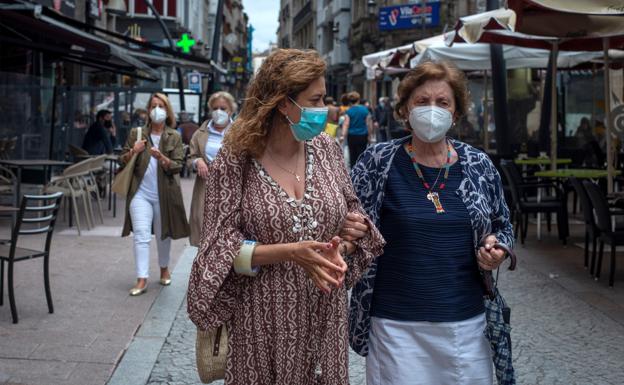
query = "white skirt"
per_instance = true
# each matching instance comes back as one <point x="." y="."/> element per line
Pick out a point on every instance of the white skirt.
<point x="429" y="353"/>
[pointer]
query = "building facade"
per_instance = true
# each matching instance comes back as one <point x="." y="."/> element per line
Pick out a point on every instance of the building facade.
<point x="343" y="31"/>
<point x="333" y="24"/>
<point x="297" y="24"/>
<point x="62" y="61"/>
<point x="375" y="27"/>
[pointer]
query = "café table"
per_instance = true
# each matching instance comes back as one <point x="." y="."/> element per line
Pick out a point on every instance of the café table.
<point x="541" y="161"/>
<point x="579" y="173"/>
<point x="20" y="164"/>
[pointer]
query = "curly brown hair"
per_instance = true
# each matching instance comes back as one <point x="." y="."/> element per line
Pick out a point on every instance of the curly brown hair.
<point x="285" y="73"/>
<point x="426" y="71"/>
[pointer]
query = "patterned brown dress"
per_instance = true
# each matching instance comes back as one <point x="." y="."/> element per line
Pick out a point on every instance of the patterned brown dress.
<point x="282" y="329"/>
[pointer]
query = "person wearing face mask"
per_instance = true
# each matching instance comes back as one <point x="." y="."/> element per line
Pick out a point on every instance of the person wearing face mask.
<point x="154" y="200"/>
<point x="270" y="266"/>
<point x="204" y="146"/>
<point x="421" y="314"/>
<point x="101" y="135"/>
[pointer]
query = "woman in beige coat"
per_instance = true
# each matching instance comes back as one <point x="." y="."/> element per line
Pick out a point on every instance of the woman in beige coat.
<point x="205" y="145"/>
<point x="154" y="200"/>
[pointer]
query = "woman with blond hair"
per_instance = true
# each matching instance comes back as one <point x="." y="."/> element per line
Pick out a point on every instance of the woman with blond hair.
<point x="154" y="199"/>
<point x="205" y="145"/>
<point x="270" y="265"/>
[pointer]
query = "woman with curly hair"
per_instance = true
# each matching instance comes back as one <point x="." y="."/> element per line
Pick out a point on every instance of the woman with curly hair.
<point x="270" y="265"/>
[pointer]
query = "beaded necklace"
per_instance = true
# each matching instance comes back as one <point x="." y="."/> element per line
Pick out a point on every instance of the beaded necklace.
<point x="433" y="196"/>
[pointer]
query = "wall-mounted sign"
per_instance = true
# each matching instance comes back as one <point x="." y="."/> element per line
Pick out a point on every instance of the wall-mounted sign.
<point x="185" y="43"/>
<point x="194" y="82"/>
<point x="95" y="9"/>
<point x="409" y="16"/>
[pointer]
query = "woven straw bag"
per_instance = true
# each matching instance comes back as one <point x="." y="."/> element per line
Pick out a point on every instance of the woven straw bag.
<point x="210" y="352"/>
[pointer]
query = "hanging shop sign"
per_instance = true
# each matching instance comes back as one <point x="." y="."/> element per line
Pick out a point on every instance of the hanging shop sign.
<point x="409" y="16"/>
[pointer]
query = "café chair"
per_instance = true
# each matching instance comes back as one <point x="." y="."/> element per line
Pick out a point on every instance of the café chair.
<point x="525" y="205"/>
<point x="609" y="231"/>
<point x="73" y="186"/>
<point x="37" y="215"/>
<point x="591" y="230"/>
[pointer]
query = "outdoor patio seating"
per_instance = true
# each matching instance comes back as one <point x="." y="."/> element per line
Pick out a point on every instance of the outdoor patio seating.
<point x="524" y="205"/>
<point x="591" y="230"/>
<point x="37" y="215"/>
<point x="72" y="185"/>
<point x="86" y="170"/>
<point x="609" y="232"/>
<point x="8" y="190"/>
<point x="77" y="152"/>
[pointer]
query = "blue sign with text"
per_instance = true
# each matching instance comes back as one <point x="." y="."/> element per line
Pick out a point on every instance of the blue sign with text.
<point x="409" y="16"/>
<point x="194" y="82"/>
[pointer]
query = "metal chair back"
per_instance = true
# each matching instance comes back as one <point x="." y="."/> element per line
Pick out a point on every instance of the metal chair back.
<point x="601" y="207"/>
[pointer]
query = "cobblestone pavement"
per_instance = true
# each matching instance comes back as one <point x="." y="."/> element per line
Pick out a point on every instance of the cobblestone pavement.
<point x="558" y="339"/>
<point x="176" y="362"/>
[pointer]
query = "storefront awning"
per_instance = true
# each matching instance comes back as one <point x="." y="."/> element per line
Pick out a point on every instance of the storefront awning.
<point x="31" y="27"/>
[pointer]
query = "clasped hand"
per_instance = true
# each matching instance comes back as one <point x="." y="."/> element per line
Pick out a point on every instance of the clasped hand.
<point x="323" y="263"/>
<point x="488" y="257"/>
<point x="139" y="147"/>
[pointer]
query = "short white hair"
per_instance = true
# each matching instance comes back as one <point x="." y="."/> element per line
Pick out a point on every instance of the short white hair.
<point x="225" y="96"/>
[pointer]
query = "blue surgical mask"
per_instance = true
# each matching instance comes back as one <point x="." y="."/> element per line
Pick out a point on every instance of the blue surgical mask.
<point x="311" y="124"/>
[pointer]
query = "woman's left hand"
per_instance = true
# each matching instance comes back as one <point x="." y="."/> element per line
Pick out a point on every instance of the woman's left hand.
<point x="333" y="255"/>
<point x="160" y="157"/>
<point x="354" y="227"/>
<point x="489" y="258"/>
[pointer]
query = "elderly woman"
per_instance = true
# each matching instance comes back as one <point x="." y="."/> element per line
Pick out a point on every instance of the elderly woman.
<point x="205" y="145"/>
<point x="270" y="265"/>
<point x="419" y="313"/>
<point x="154" y="201"/>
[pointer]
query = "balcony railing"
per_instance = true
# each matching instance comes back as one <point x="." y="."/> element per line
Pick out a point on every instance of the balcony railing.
<point x="302" y="16"/>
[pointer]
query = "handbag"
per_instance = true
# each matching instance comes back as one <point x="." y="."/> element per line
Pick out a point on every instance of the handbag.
<point x="121" y="183"/>
<point x="210" y="353"/>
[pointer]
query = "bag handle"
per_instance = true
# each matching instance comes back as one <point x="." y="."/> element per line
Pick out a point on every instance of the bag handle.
<point x="217" y="342"/>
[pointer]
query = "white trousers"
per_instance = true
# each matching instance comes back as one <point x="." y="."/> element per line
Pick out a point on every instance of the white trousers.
<point x="429" y="353"/>
<point x="144" y="213"/>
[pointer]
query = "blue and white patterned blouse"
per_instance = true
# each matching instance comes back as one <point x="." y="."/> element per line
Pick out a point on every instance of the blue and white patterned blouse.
<point x="482" y="193"/>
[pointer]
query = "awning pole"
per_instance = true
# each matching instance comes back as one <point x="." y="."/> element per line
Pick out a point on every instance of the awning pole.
<point x="486" y="114"/>
<point x="553" y="107"/>
<point x="607" y="122"/>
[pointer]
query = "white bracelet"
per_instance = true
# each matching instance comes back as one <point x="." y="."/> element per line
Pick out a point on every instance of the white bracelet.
<point x="242" y="262"/>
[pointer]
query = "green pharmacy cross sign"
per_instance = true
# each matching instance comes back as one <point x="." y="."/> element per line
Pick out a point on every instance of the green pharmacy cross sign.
<point x="185" y="43"/>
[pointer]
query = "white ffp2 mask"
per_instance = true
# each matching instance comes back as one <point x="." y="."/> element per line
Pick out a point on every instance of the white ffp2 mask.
<point x="430" y="123"/>
<point x="158" y="115"/>
<point x="220" y="117"/>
